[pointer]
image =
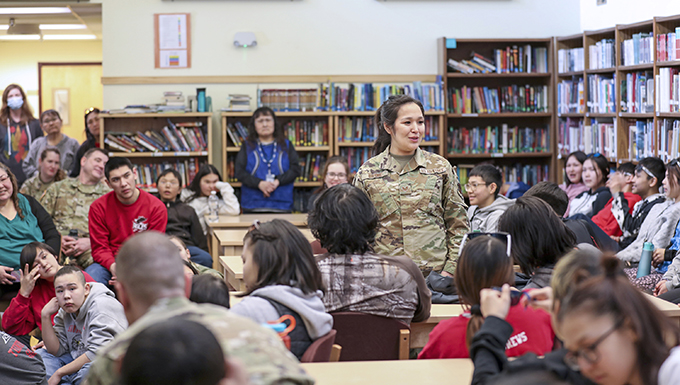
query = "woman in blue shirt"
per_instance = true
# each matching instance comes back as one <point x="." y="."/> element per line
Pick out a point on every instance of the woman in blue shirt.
<point x="267" y="166"/>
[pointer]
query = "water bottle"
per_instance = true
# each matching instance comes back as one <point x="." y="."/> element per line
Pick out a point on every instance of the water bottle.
<point x="645" y="265"/>
<point x="213" y="206"/>
<point x="73" y="233"/>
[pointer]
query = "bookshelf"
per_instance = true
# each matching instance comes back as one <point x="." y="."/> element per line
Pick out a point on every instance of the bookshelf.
<point x="489" y="112"/>
<point x="195" y="149"/>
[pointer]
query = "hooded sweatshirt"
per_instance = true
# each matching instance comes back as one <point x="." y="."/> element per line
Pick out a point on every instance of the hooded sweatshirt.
<point x="308" y="306"/>
<point x="97" y="321"/>
<point x="486" y="219"/>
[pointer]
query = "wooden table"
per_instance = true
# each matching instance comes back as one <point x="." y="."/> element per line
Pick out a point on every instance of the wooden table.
<point x="232" y="269"/>
<point x="669" y="309"/>
<point x="421" y="372"/>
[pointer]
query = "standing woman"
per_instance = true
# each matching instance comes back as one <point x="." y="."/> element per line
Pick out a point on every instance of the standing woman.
<point x="48" y="173"/>
<point x="267" y="165"/>
<point x="573" y="168"/>
<point x="417" y="193"/>
<point x="92" y="141"/>
<point x="595" y="175"/>
<point x="335" y="172"/>
<point x="18" y="129"/>
<point x="50" y="121"/>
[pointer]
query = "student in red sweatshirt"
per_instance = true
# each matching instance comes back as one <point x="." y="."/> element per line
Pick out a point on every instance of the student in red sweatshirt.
<point x="119" y="214"/>
<point x="621" y="180"/>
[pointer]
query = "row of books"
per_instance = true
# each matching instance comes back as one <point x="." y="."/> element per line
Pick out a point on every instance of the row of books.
<point x="598" y="136"/>
<point x="307" y="132"/>
<point x="601" y="94"/>
<point x="237" y="133"/>
<point x="637" y="92"/>
<point x="529" y="173"/>
<point x="669" y="139"/>
<point x="186" y="136"/>
<point x="570" y="60"/>
<point x="497" y="140"/>
<point x="602" y="54"/>
<point x="488" y="100"/>
<point x="668" y="90"/>
<point x="668" y="46"/>
<point x="148" y="173"/>
<point x="363" y="129"/>
<point x="353" y="97"/>
<point x="570" y="97"/>
<point x="641" y="139"/>
<point x="514" y="58"/>
<point x="639" y="49"/>
<point x="312" y="167"/>
<point x="356" y="156"/>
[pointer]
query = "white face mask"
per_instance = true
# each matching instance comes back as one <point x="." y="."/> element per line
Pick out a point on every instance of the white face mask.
<point x="15" y="102"/>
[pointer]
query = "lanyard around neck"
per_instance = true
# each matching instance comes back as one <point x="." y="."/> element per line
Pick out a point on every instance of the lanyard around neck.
<point x="261" y="151"/>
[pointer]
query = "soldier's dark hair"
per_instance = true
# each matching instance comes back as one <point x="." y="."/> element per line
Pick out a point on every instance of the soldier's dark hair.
<point x="61" y="174"/>
<point x="115" y="163"/>
<point x="207" y="288"/>
<point x="489" y="174"/>
<point x="386" y="115"/>
<point x="580" y="156"/>
<point x="483" y="263"/>
<point x="283" y="257"/>
<point x="656" y="166"/>
<point x="539" y="238"/>
<point x="279" y="135"/>
<point x="68" y="269"/>
<point x="551" y="194"/>
<point x="30" y="251"/>
<point x="344" y="220"/>
<point x="189" y="354"/>
<point x="167" y="171"/>
<point x="195" y="186"/>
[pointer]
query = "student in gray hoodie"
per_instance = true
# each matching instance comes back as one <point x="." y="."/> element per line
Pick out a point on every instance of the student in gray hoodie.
<point x="88" y="317"/>
<point x="282" y="278"/>
<point x="486" y="204"/>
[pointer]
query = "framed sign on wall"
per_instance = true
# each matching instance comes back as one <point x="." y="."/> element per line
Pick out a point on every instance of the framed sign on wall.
<point x="172" y="40"/>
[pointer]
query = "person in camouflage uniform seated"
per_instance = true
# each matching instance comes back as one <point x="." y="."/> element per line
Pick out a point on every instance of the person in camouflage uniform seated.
<point x="68" y="203"/>
<point x="417" y="193"/>
<point x="48" y="173"/>
<point x="152" y="288"/>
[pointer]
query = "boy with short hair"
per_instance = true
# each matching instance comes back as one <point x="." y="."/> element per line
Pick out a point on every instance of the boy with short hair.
<point x="619" y="181"/>
<point x="88" y="317"/>
<point x="486" y="204"/>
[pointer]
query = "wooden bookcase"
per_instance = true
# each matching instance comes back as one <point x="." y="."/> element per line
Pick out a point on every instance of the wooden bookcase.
<point x="544" y="119"/>
<point x="132" y="123"/>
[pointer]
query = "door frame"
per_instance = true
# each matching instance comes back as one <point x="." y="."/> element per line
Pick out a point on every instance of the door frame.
<point x="48" y="64"/>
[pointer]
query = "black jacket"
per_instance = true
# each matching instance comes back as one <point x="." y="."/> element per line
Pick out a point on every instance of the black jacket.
<point x="17" y="170"/>
<point x="47" y="227"/>
<point x="184" y="224"/>
<point x="91" y="142"/>
<point x="488" y="355"/>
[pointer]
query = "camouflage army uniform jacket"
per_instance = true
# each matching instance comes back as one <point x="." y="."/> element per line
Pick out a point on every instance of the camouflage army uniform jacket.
<point x="68" y="203"/>
<point x="266" y="359"/>
<point x="421" y="209"/>
<point x="35" y="187"/>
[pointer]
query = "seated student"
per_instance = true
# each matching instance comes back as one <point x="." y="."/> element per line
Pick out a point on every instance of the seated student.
<point x="619" y="181"/>
<point x="40" y="265"/>
<point x="206" y="181"/>
<point x="48" y="173"/>
<point x="89" y="316"/>
<point x="659" y="224"/>
<point x="345" y="222"/>
<point x="117" y="215"/>
<point x="539" y="238"/>
<point x="649" y="174"/>
<point x="19" y="364"/>
<point x="182" y="219"/>
<point x="50" y="122"/>
<point x="189" y="354"/>
<point x="184" y="253"/>
<point x="573" y="170"/>
<point x="207" y="288"/>
<point x="484" y="263"/>
<point x="486" y="205"/>
<point x="591" y="201"/>
<point x="68" y="203"/>
<point x="335" y="172"/>
<point x="282" y="277"/>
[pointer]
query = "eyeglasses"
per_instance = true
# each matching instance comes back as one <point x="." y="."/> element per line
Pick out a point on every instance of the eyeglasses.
<point x="645" y="169"/>
<point x="501" y="236"/>
<point x="333" y="175"/>
<point x="50" y="121"/>
<point x="473" y="186"/>
<point x="589" y="353"/>
<point x="168" y="182"/>
<point x="515" y="295"/>
<point x="624" y="173"/>
<point x="4" y="178"/>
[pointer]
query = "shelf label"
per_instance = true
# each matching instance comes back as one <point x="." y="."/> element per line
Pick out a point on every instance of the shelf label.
<point x="620" y="114"/>
<point x="451" y="44"/>
<point x="469" y="115"/>
<point x="497" y="155"/>
<point x="182" y="153"/>
<point x="156" y="153"/>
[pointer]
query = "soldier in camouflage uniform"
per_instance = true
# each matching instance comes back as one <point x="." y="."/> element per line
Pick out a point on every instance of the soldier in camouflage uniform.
<point x="151" y="286"/>
<point x="68" y="203"/>
<point x="417" y="193"/>
<point x="48" y="168"/>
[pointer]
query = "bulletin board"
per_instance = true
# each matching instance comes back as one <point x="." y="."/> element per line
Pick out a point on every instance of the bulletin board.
<point x="172" y="40"/>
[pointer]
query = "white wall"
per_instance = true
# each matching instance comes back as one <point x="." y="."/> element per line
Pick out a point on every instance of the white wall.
<point x="595" y="17"/>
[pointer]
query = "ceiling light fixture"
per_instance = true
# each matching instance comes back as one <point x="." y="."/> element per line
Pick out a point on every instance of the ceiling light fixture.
<point x="33" y="10"/>
<point x="19" y="37"/>
<point x="69" y="37"/>
<point x="61" y="26"/>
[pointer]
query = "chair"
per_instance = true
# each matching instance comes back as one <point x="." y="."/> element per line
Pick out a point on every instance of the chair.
<point x="366" y="337"/>
<point x="320" y="350"/>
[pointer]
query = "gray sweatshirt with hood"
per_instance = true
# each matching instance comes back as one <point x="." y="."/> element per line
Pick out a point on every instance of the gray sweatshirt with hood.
<point x="97" y="321"/>
<point x="486" y="219"/>
<point x="308" y="306"/>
